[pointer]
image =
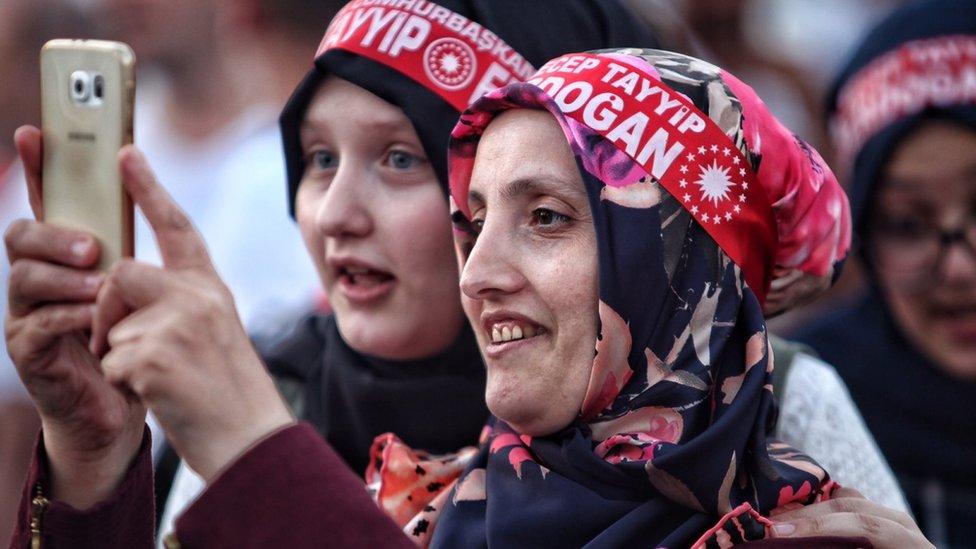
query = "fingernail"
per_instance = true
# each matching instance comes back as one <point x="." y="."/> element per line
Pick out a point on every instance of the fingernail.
<point x="784" y="529"/>
<point x="80" y="248"/>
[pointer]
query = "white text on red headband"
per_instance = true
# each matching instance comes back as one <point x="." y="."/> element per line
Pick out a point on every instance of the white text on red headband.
<point x="935" y="72"/>
<point x="602" y="111"/>
<point x="687" y="153"/>
<point x="444" y="51"/>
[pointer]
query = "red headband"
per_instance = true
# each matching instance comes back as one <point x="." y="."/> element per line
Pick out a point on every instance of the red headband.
<point x="682" y="148"/>
<point x="452" y="56"/>
<point x="934" y="72"/>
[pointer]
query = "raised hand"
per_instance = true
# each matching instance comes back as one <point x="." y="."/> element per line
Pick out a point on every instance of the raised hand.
<point x="91" y="429"/>
<point x="849" y="514"/>
<point x="172" y="336"/>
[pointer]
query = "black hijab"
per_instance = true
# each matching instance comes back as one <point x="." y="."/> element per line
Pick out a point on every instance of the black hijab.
<point x="921" y="417"/>
<point x="539" y="30"/>
<point x="351" y="397"/>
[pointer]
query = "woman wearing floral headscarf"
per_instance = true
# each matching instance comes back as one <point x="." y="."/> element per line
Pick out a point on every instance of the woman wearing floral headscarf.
<point x="686" y="201"/>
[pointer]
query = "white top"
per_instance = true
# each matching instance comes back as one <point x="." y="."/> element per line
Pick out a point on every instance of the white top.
<point x="233" y="187"/>
<point x="818" y="417"/>
<point x="13" y="205"/>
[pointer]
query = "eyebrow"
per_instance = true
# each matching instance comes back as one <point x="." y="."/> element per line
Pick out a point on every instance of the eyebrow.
<point x="384" y="125"/>
<point x="533" y="186"/>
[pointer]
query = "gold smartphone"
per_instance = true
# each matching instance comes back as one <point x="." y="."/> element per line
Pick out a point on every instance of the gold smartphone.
<point x="87" y="96"/>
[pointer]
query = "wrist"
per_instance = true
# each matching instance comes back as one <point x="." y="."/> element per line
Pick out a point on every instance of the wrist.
<point x="82" y="478"/>
<point x="231" y="444"/>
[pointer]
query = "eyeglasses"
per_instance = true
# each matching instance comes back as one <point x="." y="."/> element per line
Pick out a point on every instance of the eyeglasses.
<point x="910" y="248"/>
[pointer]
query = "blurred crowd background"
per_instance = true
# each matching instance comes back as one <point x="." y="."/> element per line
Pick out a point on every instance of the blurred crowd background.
<point x="213" y="75"/>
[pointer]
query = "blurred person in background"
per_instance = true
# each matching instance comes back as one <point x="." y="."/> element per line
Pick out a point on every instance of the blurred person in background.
<point x="720" y="27"/>
<point x="25" y="25"/>
<point x="212" y="79"/>
<point x="788" y="49"/>
<point x="903" y="117"/>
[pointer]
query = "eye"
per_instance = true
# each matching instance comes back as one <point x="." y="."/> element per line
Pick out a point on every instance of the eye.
<point x="402" y="160"/>
<point x="323" y="160"/>
<point x="904" y="227"/>
<point x="545" y="217"/>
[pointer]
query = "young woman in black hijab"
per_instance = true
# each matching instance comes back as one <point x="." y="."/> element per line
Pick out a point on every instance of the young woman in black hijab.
<point x="358" y="382"/>
<point x="904" y="120"/>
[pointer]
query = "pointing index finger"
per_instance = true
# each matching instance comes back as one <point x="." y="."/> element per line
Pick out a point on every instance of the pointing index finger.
<point x="180" y="245"/>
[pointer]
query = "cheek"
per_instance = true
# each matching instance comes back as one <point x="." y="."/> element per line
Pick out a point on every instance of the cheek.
<point x="419" y="236"/>
<point x="571" y="292"/>
<point x="907" y="309"/>
<point x="306" y="205"/>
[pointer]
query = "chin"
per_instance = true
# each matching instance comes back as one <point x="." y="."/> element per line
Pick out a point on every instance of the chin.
<point x="369" y="335"/>
<point x="530" y="416"/>
<point x="957" y="363"/>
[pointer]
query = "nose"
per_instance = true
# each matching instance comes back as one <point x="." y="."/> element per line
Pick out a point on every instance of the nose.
<point x="345" y="209"/>
<point x="492" y="268"/>
<point x="958" y="266"/>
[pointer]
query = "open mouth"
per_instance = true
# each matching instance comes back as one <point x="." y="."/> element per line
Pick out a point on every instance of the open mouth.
<point x="959" y="318"/>
<point x="363" y="285"/>
<point x="363" y="277"/>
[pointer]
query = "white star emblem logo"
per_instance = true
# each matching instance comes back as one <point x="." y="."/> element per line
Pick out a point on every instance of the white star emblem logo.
<point x="691" y="157"/>
<point x="714" y="182"/>
<point x="735" y="160"/>
<point x="684" y="169"/>
<point x="701" y="150"/>
<point x="736" y="209"/>
<point x="742" y="172"/>
<point x="742" y="198"/>
<point x="694" y="209"/>
<point x="725" y="151"/>
<point x="714" y="148"/>
<point x="450" y="63"/>
<point x="687" y="197"/>
<point x="683" y="183"/>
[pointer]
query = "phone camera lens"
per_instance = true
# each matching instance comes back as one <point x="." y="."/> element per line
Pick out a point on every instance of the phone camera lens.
<point x="80" y="86"/>
<point x="99" y="85"/>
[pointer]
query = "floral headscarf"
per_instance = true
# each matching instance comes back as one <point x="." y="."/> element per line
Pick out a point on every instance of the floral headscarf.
<point x="671" y="447"/>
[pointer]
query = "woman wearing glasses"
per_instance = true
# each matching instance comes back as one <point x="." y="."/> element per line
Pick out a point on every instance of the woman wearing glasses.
<point x="904" y="119"/>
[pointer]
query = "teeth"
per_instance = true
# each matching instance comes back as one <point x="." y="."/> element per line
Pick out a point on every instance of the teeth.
<point x="511" y="333"/>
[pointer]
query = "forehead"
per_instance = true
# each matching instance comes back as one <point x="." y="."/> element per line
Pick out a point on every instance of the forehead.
<point x="522" y="144"/>
<point x="938" y="154"/>
<point x="339" y="103"/>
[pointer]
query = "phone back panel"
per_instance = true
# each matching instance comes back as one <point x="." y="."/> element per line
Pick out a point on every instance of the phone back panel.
<point x="82" y="187"/>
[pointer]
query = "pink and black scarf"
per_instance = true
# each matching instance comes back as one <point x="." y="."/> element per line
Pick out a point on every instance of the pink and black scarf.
<point x="709" y="215"/>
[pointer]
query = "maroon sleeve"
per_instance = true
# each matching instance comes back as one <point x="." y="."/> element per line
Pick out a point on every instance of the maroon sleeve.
<point x="290" y="490"/>
<point x="125" y="520"/>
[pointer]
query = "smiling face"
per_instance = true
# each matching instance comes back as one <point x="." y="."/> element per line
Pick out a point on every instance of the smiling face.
<point x="529" y="282"/>
<point x="376" y="224"/>
<point x="929" y="185"/>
